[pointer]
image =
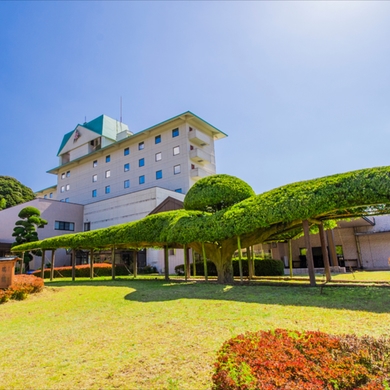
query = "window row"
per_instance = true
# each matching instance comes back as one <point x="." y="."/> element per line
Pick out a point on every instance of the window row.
<point x="62" y="225"/>
<point x="65" y="188"/>
<point x="141" y="180"/>
<point x="64" y="175"/>
<point x="141" y="146"/>
<point x="50" y="195"/>
<point x="141" y="163"/>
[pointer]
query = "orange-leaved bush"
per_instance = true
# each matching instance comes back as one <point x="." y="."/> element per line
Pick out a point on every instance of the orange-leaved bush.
<point x="21" y="287"/>
<point x="100" y="269"/>
<point x="284" y="359"/>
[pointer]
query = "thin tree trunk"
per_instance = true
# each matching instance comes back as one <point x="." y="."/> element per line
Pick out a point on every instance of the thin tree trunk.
<point x="239" y="257"/>
<point x="73" y="265"/>
<point x="290" y="262"/>
<point x="166" y="262"/>
<point x="309" y="255"/>
<point x="249" y="255"/>
<point x="53" y="257"/>
<point x="91" y="263"/>
<point x="194" y="262"/>
<point x="325" y="255"/>
<point x="206" y="276"/>
<point x="113" y="262"/>
<point x="135" y="263"/>
<point x="185" y="261"/>
<point x="43" y="264"/>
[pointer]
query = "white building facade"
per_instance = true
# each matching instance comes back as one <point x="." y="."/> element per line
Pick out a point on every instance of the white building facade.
<point x="109" y="175"/>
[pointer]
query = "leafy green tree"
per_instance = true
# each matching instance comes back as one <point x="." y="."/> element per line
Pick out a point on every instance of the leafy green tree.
<point x="25" y="230"/>
<point x="3" y="203"/>
<point x="213" y="194"/>
<point x="14" y="192"/>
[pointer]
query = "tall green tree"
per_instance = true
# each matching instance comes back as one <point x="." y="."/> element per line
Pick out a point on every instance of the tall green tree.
<point x="14" y="192"/>
<point x="25" y="230"/>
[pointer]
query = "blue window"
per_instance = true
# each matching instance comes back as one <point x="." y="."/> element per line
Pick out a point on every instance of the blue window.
<point x="142" y="179"/>
<point x="108" y="158"/>
<point x="179" y="190"/>
<point x="175" y="133"/>
<point x="94" y="193"/>
<point x="126" y="167"/>
<point x="157" y="139"/>
<point x="158" y="175"/>
<point x="126" y="184"/>
<point x="141" y="145"/>
<point x="141" y="162"/>
<point x="108" y="189"/>
<point x="126" y="151"/>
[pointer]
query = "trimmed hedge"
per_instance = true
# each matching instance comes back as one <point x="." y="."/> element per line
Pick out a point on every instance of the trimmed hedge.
<point x="22" y="286"/>
<point x="263" y="267"/>
<point x="286" y="359"/>
<point x="83" y="271"/>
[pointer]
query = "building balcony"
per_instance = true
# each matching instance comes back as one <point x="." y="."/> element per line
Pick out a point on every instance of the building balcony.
<point x="199" y="138"/>
<point x="198" y="173"/>
<point x="199" y="156"/>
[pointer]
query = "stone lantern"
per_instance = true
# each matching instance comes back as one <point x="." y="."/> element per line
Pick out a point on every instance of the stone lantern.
<point x="7" y="271"/>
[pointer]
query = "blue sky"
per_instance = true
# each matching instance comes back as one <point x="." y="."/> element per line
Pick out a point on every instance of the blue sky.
<point x="301" y="88"/>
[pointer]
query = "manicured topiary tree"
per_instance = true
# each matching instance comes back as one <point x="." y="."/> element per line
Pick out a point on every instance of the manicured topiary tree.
<point x="212" y="194"/>
<point x="25" y="230"/>
<point x="271" y="216"/>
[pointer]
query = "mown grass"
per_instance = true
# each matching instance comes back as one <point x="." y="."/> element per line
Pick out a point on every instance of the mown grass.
<point x="149" y="334"/>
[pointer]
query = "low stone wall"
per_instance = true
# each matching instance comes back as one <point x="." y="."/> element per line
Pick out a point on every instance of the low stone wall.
<point x="304" y="271"/>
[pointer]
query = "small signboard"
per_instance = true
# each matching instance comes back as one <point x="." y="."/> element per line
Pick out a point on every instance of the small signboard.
<point x="7" y="271"/>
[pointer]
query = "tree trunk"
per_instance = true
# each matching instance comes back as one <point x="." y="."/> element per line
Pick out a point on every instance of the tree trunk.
<point x="225" y="272"/>
<point x="221" y="256"/>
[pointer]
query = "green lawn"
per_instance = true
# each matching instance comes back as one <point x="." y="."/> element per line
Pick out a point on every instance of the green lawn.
<point x="148" y="334"/>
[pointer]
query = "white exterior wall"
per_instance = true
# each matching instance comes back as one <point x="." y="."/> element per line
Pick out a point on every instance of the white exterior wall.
<point x="155" y="258"/>
<point x="374" y="243"/>
<point x="126" y="208"/>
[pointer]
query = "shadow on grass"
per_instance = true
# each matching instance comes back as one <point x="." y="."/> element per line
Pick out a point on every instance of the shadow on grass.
<point x="364" y="298"/>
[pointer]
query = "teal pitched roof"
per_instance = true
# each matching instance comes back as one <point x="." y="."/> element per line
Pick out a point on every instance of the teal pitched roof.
<point x="64" y="141"/>
<point x="102" y="125"/>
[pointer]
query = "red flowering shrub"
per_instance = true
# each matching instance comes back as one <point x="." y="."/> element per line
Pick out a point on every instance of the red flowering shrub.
<point x="100" y="269"/>
<point x="284" y="359"/>
<point x="21" y="287"/>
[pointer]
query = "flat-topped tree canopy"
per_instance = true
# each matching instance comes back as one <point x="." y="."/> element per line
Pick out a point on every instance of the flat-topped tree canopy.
<point x="276" y="214"/>
<point x="217" y="192"/>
